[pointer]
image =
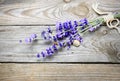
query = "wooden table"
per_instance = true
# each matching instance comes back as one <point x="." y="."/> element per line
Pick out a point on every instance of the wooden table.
<point x="97" y="58"/>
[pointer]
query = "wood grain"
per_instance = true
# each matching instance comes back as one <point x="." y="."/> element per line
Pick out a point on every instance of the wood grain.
<point x="59" y="72"/>
<point x="97" y="46"/>
<point x="36" y="12"/>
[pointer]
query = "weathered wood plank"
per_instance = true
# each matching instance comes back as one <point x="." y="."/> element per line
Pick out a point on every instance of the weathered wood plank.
<point x="24" y="12"/>
<point x="97" y="46"/>
<point x="59" y="72"/>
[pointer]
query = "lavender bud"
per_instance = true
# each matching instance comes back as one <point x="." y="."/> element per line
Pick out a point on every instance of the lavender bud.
<point x="70" y="24"/>
<point x="66" y="26"/>
<point x="28" y="40"/>
<point x="54" y="38"/>
<point x="67" y="34"/>
<point x="33" y="36"/>
<point x="59" y="36"/>
<point x="43" y="54"/>
<point x="75" y="23"/>
<point x="20" y="41"/>
<point x="69" y="44"/>
<point x="43" y="34"/>
<point x="38" y="55"/>
<point x="60" y="44"/>
<point x="51" y="51"/>
<point x="54" y="47"/>
<point x="48" y="52"/>
<point x="49" y="30"/>
<point x="91" y="29"/>
<point x="83" y="22"/>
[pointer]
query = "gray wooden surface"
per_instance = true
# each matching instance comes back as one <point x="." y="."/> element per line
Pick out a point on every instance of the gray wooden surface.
<point x="59" y="72"/>
<point x="97" y="47"/>
<point x="36" y="12"/>
<point x="20" y="18"/>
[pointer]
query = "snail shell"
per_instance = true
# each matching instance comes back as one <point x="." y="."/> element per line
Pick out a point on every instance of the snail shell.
<point x="76" y="43"/>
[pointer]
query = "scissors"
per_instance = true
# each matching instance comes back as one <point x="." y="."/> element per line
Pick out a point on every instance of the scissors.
<point x="108" y="17"/>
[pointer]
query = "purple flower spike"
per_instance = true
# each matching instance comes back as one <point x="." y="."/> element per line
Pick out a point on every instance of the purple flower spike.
<point x="54" y="47"/>
<point x="86" y="21"/>
<point x="78" y="37"/>
<point x="81" y="39"/>
<point x="49" y="30"/>
<point x="33" y="36"/>
<point x="20" y="41"/>
<point x="54" y="38"/>
<point x="38" y="55"/>
<point x="75" y="23"/>
<point x="51" y="50"/>
<point x="67" y="34"/>
<point x="28" y="40"/>
<point x="91" y="29"/>
<point x="48" y="51"/>
<point x="69" y="44"/>
<point x="70" y="24"/>
<point x="66" y="26"/>
<point x="60" y="27"/>
<point x="73" y="31"/>
<point x="82" y="28"/>
<point x="59" y="35"/>
<point x="83" y="22"/>
<point x="71" y="39"/>
<point x="60" y="44"/>
<point x="43" y="34"/>
<point x="43" y="54"/>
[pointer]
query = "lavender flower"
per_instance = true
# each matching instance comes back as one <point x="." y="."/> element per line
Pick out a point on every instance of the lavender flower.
<point x="75" y="23"/>
<point x="91" y="29"/>
<point x="33" y="36"/>
<point x="67" y="34"/>
<point x="49" y="30"/>
<point x="54" y="47"/>
<point x="66" y="26"/>
<point x="60" y="44"/>
<point x="43" y="54"/>
<point x="71" y="39"/>
<point x="43" y="34"/>
<point x="59" y="35"/>
<point x="54" y="38"/>
<point x="20" y="41"/>
<point x="28" y="40"/>
<point x="51" y="51"/>
<point x="46" y="35"/>
<point x="59" y="27"/>
<point x="69" y="44"/>
<point x="78" y="37"/>
<point x="73" y="31"/>
<point x="48" y="51"/>
<point x="38" y="55"/>
<point x="63" y="30"/>
<point x="70" y="24"/>
<point x="83" y="22"/>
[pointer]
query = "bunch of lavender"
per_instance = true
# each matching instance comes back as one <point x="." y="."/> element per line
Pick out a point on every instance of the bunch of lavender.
<point x="66" y="33"/>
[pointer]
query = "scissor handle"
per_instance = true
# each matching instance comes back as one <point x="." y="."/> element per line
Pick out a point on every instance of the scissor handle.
<point x="110" y="25"/>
